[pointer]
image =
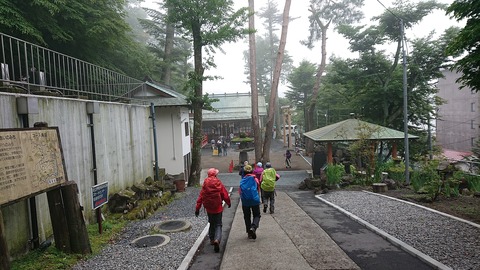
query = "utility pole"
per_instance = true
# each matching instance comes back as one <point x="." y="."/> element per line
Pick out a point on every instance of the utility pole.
<point x="405" y="107"/>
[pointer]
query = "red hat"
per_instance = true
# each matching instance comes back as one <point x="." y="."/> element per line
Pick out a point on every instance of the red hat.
<point x="212" y="172"/>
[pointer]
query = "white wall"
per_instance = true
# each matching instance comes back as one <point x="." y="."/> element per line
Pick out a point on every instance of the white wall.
<point x="123" y="141"/>
<point x="171" y="140"/>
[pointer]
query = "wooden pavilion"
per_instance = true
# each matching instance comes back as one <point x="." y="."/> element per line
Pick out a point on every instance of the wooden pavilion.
<point x="353" y="130"/>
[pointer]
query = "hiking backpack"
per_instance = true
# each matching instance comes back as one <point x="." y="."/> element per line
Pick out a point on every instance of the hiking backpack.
<point x="268" y="179"/>
<point x="249" y="192"/>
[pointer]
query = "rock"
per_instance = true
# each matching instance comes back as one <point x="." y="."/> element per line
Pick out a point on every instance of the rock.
<point x="391" y="184"/>
<point x="120" y="201"/>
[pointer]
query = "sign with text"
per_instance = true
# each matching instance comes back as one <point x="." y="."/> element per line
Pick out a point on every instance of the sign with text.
<point x="31" y="161"/>
<point x="99" y="195"/>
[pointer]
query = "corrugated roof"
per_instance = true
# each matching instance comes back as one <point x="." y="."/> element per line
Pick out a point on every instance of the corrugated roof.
<point x="234" y="107"/>
<point x="351" y="130"/>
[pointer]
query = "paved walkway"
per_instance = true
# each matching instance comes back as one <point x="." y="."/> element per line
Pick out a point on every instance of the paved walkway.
<point x="287" y="240"/>
<point x="292" y="237"/>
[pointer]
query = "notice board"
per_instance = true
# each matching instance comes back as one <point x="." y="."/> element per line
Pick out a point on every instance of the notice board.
<point x="31" y="161"/>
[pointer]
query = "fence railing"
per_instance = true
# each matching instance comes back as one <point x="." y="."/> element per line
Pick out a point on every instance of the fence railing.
<point x="32" y="69"/>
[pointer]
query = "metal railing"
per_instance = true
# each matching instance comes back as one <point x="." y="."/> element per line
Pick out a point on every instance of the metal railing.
<point x="32" y="69"/>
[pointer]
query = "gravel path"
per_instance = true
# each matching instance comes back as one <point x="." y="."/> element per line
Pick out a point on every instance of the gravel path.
<point x="121" y="255"/>
<point x="447" y="240"/>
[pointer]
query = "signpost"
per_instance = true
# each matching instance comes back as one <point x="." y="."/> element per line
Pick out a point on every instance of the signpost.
<point x="99" y="198"/>
<point x="99" y="195"/>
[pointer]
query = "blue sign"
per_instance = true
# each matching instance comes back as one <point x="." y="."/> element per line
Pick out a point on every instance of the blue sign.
<point x="99" y="195"/>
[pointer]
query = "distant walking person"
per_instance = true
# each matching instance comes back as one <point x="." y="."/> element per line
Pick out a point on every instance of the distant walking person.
<point x="211" y="196"/>
<point x="269" y="180"/>
<point x="241" y="171"/>
<point x="288" y="162"/>
<point x="249" y="195"/>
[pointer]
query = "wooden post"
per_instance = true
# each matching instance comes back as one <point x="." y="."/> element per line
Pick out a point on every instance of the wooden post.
<point x="4" y="254"/>
<point x="59" y="220"/>
<point x="394" y="149"/>
<point x="329" y="153"/>
<point x="79" y="241"/>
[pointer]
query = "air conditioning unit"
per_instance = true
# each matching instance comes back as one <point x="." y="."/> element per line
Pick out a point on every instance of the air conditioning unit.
<point x="5" y="79"/>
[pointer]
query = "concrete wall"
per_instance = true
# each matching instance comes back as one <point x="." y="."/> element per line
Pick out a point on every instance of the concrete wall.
<point x="458" y="119"/>
<point x="123" y="141"/>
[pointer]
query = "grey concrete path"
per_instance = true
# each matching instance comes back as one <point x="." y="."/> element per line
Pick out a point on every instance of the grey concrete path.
<point x="288" y="239"/>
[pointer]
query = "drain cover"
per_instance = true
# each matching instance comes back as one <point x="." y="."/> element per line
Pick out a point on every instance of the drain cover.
<point x="173" y="226"/>
<point x="155" y="240"/>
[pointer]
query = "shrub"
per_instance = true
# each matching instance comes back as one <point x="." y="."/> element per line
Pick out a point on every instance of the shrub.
<point x="473" y="181"/>
<point x="334" y="174"/>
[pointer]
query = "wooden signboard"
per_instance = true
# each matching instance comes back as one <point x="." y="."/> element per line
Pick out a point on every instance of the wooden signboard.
<point x="31" y="162"/>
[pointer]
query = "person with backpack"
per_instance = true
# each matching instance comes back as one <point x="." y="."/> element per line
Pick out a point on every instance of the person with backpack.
<point x="249" y="195"/>
<point x="212" y="195"/>
<point x="269" y="179"/>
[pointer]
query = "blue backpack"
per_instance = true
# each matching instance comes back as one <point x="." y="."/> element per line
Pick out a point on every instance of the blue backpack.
<point x="249" y="192"/>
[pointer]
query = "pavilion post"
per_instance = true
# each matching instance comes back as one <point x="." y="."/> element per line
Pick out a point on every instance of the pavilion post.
<point x="329" y="153"/>
<point x="394" y="149"/>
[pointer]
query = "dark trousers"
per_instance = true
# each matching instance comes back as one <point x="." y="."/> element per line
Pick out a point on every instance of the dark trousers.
<point x="248" y="211"/>
<point x="215" y="229"/>
<point x="268" y="196"/>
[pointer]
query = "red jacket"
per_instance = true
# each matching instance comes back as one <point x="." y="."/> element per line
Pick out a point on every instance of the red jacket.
<point x="211" y="196"/>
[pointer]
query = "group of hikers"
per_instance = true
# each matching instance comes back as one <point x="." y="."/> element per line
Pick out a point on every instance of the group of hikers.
<point x="221" y="145"/>
<point x="257" y="187"/>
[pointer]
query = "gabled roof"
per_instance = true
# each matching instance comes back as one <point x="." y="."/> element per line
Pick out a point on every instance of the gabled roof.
<point x="161" y="95"/>
<point x="234" y="107"/>
<point x="351" y="130"/>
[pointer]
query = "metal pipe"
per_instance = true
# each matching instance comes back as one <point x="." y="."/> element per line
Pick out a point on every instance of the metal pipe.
<point x="98" y="211"/>
<point x="32" y="203"/>
<point x="155" y="150"/>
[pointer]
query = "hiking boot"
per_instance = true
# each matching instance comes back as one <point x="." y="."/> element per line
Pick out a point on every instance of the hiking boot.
<point x="216" y="246"/>
<point x="272" y="212"/>
<point x="212" y="242"/>
<point x="264" y="209"/>
<point x="250" y="235"/>
<point x="252" y="232"/>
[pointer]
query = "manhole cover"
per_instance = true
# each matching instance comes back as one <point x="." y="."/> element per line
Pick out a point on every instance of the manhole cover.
<point x="173" y="226"/>
<point x="151" y="241"/>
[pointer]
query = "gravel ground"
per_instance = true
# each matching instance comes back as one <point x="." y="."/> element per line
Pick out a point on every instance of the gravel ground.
<point x="121" y="255"/>
<point x="447" y="240"/>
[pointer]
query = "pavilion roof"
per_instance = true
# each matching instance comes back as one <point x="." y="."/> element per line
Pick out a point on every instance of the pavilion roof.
<point x="352" y="130"/>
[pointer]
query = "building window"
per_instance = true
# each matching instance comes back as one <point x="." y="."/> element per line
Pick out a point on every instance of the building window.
<point x="471" y="124"/>
<point x="187" y="131"/>
<point x="472" y="141"/>
<point x="472" y="106"/>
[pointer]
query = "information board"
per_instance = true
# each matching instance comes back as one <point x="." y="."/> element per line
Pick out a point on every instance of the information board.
<point x="31" y="161"/>
<point x="99" y="195"/>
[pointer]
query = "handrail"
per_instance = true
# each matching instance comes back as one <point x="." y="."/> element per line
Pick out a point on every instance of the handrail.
<point x="26" y="67"/>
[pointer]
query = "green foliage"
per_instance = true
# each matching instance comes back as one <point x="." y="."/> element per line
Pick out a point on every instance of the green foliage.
<point x="93" y="31"/>
<point x="396" y="171"/>
<point x="473" y="181"/>
<point x="426" y="175"/>
<point x="334" y="174"/>
<point x="52" y="258"/>
<point x="466" y="41"/>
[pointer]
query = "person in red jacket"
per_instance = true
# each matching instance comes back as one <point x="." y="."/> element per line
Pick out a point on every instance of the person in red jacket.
<point x="212" y="195"/>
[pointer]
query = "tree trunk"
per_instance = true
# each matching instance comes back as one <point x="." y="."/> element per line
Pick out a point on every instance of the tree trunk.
<point x="318" y="80"/>
<point x="275" y="81"/>
<point x="167" y="71"/>
<point x="257" y="133"/>
<point x="4" y="254"/>
<point x="197" y="104"/>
